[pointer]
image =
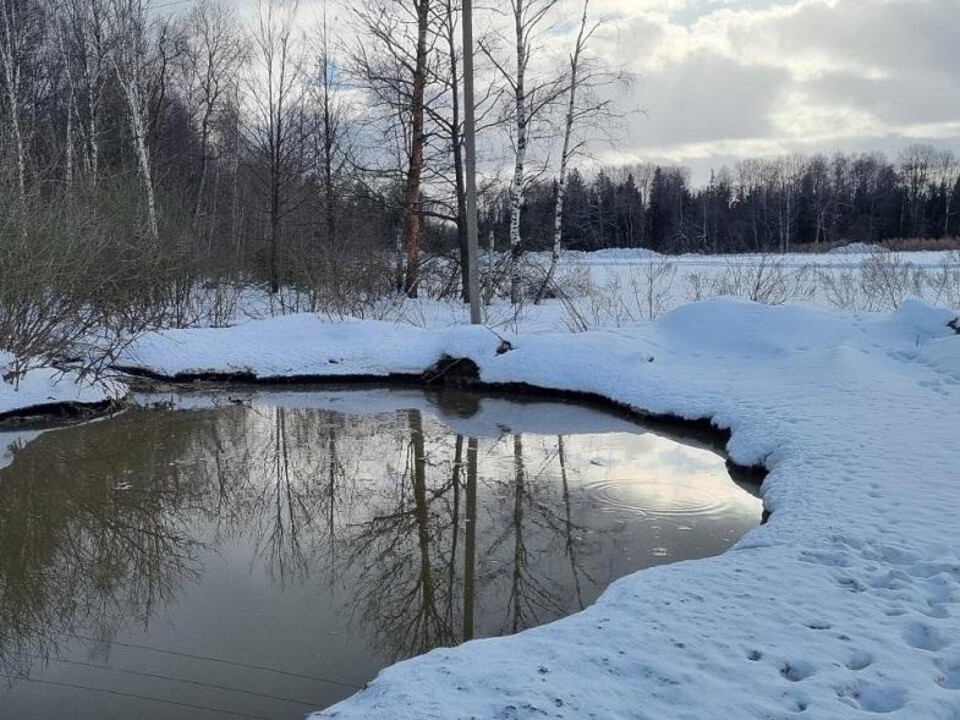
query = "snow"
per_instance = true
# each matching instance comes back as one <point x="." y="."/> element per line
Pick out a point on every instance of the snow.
<point x="47" y="386"/>
<point x="40" y="388"/>
<point x="844" y="605"/>
<point x="856" y="248"/>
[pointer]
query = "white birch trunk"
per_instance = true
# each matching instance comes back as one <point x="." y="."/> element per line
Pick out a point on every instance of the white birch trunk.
<point x="93" y="140"/>
<point x="11" y="76"/>
<point x="68" y="170"/>
<point x="516" y="187"/>
<point x="138" y="125"/>
<point x="565" y="155"/>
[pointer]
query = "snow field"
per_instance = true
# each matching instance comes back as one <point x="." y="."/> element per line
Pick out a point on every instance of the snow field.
<point x="845" y="605"/>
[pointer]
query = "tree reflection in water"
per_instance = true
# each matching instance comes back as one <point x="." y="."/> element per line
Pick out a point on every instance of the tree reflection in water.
<point x="84" y="544"/>
<point x="425" y="537"/>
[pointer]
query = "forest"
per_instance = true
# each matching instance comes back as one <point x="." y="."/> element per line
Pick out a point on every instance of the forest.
<point x="151" y="153"/>
<point x="761" y="205"/>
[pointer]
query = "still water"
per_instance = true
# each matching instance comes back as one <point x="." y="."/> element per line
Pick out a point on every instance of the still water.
<point x="260" y="555"/>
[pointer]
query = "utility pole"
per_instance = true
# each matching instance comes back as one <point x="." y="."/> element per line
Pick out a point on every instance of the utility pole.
<point x="470" y="161"/>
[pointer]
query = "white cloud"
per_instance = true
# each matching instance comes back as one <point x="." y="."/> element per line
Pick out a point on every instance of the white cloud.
<point x="723" y="78"/>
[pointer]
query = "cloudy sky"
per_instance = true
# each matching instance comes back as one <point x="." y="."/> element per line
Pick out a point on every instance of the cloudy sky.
<point x="717" y="80"/>
<point x="720" y="79"/>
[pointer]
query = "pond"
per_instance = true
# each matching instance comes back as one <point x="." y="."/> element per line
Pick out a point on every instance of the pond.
<point x="263" y="554"/>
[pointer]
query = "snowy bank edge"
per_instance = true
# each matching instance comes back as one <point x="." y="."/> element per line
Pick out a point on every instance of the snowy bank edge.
<point x="512" y="681"/>
<point x="48" y="394"/>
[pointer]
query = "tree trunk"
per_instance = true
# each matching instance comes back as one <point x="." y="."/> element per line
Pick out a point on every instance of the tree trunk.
<point x="516" y="187"/>
<point x="470" y="549"/>
<point x="10" y="57"/>
<point x="565" y="156"/>
<point x="138" y="131"/>
<point x="328" y="194"/>
<point x="457" y="149"/>
<point x="204" y="160"/>
<point x="412" y="220"/>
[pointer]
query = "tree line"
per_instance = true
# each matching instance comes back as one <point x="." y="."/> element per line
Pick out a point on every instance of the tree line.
<point x="759" y="205"/>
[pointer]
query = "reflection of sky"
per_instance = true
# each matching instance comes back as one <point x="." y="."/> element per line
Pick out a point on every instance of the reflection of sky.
<point x="11" y="440"/>
<point x="614" y="459"/>
<point x="652" y="473"/>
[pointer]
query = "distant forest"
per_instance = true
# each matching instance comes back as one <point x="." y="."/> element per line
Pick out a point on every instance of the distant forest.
<point x="768" y="205"/>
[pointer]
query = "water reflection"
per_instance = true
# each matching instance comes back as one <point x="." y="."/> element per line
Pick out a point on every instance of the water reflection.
<point x="334" y="542"/>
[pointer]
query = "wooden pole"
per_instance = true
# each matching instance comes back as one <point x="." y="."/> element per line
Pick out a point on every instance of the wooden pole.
<point x="470" y="151"/>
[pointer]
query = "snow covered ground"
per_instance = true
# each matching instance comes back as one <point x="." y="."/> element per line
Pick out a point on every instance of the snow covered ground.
<point x="45" y="387"/>
<point x="622" y="287"/>
<point x="846" y="604"/>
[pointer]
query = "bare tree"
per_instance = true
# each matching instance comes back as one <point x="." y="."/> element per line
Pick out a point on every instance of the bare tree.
<point x="532" y="94"/>
<point x="916" y="165"/>
<point x="789" y="171"/>
<point x="412" y="219"/>
<point x="213" y="55"/>
<point x="19" y="37"/>
<point x="277" y="97"/>
<point x="87" y="43"/>
<point x="582" y="107"/>
<point x="946" y="174"/>
<point x="329" y="126"/>
<point x="396" y="63"/>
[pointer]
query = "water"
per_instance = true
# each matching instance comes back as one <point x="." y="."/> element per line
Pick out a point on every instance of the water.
<point x="262" y="555"/>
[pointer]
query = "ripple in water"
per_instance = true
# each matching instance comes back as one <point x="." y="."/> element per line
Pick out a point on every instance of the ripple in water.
<point x="657" y="498"/>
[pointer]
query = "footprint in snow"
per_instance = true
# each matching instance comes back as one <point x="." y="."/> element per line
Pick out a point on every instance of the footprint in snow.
<point x="923" y="637"/>
<point x="874" y="697"/>
<point x="797" y="670"/>
<point x="949" y="675"/>
<point x="859" y="660"/>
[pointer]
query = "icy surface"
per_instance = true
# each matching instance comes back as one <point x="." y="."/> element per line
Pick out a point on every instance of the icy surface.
<point x="844" y="605"/>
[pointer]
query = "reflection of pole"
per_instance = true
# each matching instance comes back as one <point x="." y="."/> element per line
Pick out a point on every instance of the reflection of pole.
<point x="470" y="549"/>
<point x="519" y="551"/>
<point x="470" y="151"/>
<point x="571" y="551"/>
<point x="332" y="490"/>
<point x="455" y="526"/>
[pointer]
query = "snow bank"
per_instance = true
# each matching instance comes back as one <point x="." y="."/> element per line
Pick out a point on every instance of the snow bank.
<point x="856" y="248"/>
<point x="609" y="256"/>
<point x="847" y="603"/>
<point x="42" y="387"/>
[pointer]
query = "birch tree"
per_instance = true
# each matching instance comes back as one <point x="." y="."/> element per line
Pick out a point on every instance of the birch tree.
<point x="130" y="60"/>
<point x="581" y="107"/>
<point x="16" y="42"/>
<point x="87" y="46"/>
<point x="531" y="95"/>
